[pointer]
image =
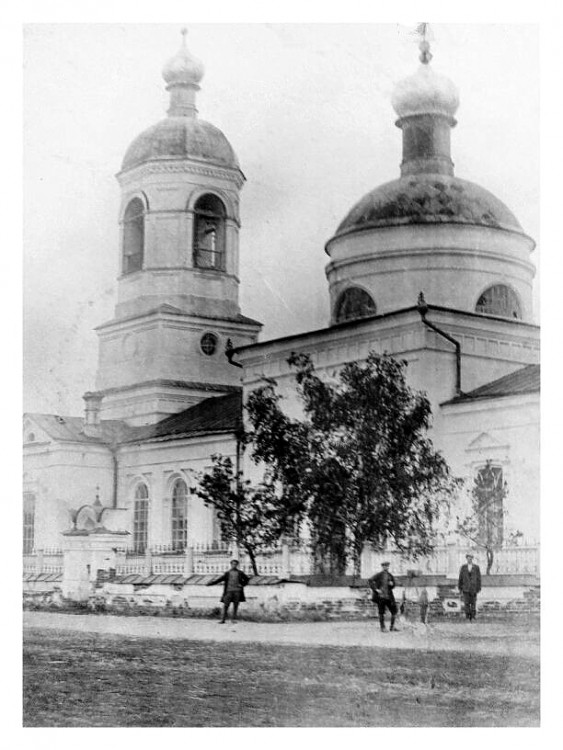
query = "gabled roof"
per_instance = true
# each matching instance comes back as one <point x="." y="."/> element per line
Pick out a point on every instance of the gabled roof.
<point x="221" y="414"/>
<point x="71" y="429"/>
<point x="213" y="415"/>
<point x="525" y="380"/>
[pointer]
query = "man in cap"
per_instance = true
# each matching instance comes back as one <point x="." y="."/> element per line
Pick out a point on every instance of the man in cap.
<point x="234" y="581"/>
<point x="382" y="585"/>
<point x="469" y="584"/>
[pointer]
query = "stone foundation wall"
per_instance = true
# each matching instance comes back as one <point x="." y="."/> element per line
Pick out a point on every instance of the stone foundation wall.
<point x="284" y="601"/>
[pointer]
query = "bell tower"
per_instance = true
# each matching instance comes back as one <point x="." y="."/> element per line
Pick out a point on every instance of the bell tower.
<point x="178" y="283"/>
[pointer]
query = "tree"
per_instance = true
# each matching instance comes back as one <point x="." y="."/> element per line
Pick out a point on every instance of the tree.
<point x="248" y="515"/>
<point x="484" y="526"/>
<point x="359" y="466"/>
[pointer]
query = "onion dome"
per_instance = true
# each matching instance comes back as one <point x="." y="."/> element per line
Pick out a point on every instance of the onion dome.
<point x="425" y="93"/>
<point x="182" y="135"/>
<point x="183" y="69"/>
<point x="427" y="191"/>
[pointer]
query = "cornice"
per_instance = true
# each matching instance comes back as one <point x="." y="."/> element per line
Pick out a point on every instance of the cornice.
<point x="161" y="166"/>
<point x="421" y="252"/>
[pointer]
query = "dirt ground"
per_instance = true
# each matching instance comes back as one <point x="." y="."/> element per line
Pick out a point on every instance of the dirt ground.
<point x="107" y="671"/>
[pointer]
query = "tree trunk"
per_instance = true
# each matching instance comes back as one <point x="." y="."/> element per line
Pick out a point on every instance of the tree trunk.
<point x="490" y="560"/>
<point x="357" y="557"/>
<point x="251" y="555"/>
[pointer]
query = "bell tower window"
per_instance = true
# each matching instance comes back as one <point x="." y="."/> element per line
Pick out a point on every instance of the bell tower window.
<point x="209" y="233"/>
<point x="354" y="303"/>
<point x="133" y="236"/>
<point x="499" y="300"/>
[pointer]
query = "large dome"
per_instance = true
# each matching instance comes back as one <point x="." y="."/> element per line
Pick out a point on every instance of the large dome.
<point x="428" y="199"/>
<point x="181" y="138"/>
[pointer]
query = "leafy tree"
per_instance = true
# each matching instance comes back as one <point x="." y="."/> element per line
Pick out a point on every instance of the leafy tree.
<point x="248" y="515"/>
<point x="484" y="526"/>
<point x="359" y="466"/>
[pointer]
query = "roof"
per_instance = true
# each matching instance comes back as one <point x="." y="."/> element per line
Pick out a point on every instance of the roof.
<point x="71" y="429"/>
<point x="215" y="415"/>
<point x="369" y="319"/>
<point x="181" y="138"/>
<point x="218" y="414"/>
<point x="428" y="199"/>
<point x="525" y="380"/>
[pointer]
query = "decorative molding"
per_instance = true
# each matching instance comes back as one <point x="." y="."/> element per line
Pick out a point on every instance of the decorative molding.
<point x="180" y="167"/>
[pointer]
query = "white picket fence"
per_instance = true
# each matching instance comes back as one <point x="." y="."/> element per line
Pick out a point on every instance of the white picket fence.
<point x="214" y="559"/>
<point x="519" y="559"/>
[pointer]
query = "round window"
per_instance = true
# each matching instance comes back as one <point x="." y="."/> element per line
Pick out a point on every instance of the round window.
<point x="209" y="343"/>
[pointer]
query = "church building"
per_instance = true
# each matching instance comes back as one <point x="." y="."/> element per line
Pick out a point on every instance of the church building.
<point x="429" y="268"/>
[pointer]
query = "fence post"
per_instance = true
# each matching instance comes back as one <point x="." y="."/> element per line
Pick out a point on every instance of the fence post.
<point x="188" y="562"/>
<point x="39" y="561"/>
<point x="148" y="562"/>
<point x="286" y="561"/>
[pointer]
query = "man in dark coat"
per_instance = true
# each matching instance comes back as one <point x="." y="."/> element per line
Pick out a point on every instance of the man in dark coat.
<point x="469" y="584"/>
<point x="234" y="581"/>
<point x="382" y="585"/>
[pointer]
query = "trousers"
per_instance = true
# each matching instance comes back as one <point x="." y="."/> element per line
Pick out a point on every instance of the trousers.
<point x="469" y="603"/>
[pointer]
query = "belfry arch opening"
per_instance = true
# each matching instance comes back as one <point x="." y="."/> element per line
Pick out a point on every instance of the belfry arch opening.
<point x="209" y="233"/>
<point x="354" y="303"/>
<point x="133" y="236"/>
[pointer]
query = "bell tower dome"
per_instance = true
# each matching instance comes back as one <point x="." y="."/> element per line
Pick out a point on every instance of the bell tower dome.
<point x="178" y="283"/>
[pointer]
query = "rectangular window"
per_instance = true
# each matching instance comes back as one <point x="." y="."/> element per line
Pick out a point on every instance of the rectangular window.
<point x="489" y="492"/>
<point x="28" y="523"/>
<point x="141" y="525"/>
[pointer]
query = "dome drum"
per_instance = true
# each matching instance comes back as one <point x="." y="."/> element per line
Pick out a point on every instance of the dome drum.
<point x="453" y="264"/>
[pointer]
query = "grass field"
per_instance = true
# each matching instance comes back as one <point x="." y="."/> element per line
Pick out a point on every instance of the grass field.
<point x="91" y="680"/>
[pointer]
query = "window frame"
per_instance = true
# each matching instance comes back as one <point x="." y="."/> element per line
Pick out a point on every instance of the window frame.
<point x="215" y="218"/>
<point x="179" y="521"/>
<point x="29" y="522"/>
<point x="141" y="518"/>
<point x="503" y="309"/>
<point x="133" y="223"/>
<point x="341" y="301"/>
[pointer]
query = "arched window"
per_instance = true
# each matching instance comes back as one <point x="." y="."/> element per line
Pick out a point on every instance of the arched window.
<point x="489" y="491"/>
<point x="499" y="300"/>
<point x="28" y="522"/>
<point x="209" y="233"/>
<point x="179" y="515"/>
<point x="141" y="519"/>
<point x="133" y="236"/>
<point x="354" y="303"/>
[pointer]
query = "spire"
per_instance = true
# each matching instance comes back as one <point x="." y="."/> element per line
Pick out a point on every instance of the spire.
<point x="426" y="103"/>
<point x="182" y="74"/>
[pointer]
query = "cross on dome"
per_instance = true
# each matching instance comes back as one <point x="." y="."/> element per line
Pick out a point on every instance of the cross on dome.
<point x="184" y="69"/>
<point x="424" y="45"/>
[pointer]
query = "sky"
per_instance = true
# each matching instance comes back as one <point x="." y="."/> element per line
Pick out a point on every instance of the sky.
<point x="306" y="108"/>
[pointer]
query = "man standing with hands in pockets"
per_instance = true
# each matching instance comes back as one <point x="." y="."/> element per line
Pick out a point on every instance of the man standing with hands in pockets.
<point x="469" y="584"/>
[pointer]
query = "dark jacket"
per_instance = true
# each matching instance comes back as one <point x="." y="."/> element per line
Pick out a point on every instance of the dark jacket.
<point x="243" y="580"/>
<point x="376" y="582"/>
<point x="469" y="582"/>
